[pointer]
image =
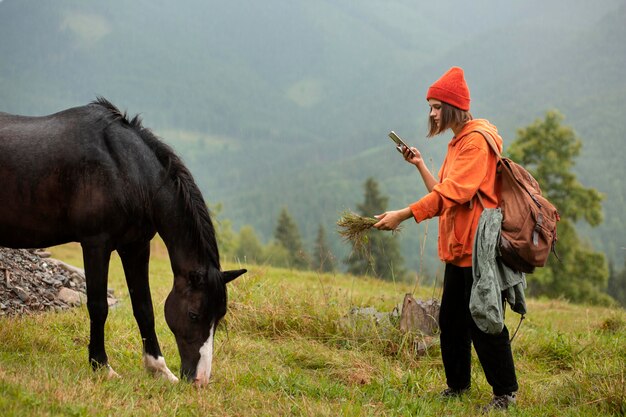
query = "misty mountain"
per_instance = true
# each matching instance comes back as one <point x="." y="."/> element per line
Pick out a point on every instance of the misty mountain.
<point x="287" y="103"/>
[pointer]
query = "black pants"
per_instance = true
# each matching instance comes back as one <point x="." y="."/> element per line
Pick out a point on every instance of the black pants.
<point x="458" y="331"/>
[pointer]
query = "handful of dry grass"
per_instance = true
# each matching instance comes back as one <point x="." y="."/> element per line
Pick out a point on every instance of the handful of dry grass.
<point x="354" y="228"/>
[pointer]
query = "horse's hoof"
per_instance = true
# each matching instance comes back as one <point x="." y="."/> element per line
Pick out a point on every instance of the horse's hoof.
<point x="199" y="383"/>
<point x="111" y="374"/>
<point x="157" y="367"/>
<point x="171" y="377"/>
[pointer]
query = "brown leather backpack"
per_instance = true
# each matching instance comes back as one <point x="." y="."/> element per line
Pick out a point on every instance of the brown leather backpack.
<point x="528" y="219"/>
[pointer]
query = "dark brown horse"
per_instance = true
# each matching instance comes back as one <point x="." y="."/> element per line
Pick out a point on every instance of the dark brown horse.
<point x="91" y="175"/>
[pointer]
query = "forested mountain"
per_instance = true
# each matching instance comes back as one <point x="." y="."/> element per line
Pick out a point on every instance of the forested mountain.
<point x="287" y="103"/>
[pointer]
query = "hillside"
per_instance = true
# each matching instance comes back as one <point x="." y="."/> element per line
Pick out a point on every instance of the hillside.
<point x="288" y="103"/>
<point x="290" y="346"/>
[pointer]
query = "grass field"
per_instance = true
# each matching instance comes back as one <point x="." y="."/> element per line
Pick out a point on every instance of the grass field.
<point x="286" y="347"/>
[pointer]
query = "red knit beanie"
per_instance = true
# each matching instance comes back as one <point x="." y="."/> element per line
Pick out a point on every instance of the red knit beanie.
<point x="452" y="89"/>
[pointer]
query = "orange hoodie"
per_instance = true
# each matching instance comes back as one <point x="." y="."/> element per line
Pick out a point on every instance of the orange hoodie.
<point x="470" y="165"/>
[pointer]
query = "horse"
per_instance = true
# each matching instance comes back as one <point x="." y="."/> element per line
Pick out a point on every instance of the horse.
<point x="92" y="175"/>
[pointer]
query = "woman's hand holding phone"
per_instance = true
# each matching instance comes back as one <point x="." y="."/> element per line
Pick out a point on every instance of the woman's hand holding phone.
<point x="412" y="156"/>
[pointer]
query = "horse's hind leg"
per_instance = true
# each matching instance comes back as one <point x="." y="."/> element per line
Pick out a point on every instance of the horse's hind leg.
<point x="96" y="258"/>
<point x="135" y="260"/>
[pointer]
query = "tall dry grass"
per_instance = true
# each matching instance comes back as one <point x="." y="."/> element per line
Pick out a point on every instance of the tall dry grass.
<point x="289" y="346"/>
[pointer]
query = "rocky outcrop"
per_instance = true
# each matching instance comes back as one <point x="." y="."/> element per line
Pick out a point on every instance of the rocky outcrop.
<point x="31" y="281"/>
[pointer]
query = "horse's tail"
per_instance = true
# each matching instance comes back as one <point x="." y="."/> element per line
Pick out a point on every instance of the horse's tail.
<point x="177" y="172"/>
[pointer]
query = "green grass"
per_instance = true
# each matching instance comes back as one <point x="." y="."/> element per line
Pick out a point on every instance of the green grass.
<point x="287" y="347"/>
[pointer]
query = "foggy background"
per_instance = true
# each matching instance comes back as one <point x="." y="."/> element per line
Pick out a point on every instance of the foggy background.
<point x="287" y="103"/>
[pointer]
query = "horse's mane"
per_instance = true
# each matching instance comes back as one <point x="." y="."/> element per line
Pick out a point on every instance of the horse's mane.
<point x="197" y="213"/>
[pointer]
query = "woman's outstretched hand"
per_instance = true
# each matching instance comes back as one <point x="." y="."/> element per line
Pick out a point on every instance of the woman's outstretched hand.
<point x="390" y="220"/>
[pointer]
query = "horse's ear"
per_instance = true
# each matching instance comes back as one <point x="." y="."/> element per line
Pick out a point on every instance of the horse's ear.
<point x="228" y="276"/>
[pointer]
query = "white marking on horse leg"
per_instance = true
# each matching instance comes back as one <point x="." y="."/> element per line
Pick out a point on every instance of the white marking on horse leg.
<point x="111" y="374"/>
<point x="203" y="371"/>
<point x="158" y="367"/>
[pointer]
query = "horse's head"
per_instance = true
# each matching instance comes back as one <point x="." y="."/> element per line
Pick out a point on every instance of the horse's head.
<point x="193" y="310"/>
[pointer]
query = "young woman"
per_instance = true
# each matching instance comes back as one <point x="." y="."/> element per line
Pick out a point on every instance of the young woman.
<point x="469" y="166"/>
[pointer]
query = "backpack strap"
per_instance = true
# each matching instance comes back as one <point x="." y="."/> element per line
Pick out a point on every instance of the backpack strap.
<point x="518" y="326"/>
<point x="494" y="148"/>
<point x="490" y="141"/>
<point x="480" y="200"/>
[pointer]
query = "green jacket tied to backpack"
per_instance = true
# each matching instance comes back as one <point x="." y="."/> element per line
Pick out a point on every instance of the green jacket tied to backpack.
<point x="493" y="280"/>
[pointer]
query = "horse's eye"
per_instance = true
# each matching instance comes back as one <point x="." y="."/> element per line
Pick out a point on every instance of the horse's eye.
<point x="193" y="316"/>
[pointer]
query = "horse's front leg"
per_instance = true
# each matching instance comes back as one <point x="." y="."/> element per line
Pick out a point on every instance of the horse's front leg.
<point x="96" y="258"/>
<point x="135" y="260"/>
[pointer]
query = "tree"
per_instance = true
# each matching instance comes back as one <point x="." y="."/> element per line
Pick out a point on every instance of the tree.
<point x="276" y="254"/>
<point x="223" y="231"/>
<point x="287" y="235"/>
<point x="382" y="256"/>
<point x="323" y="259"/>
<point x="249" y="249"/>
<point x="617" y="284"/>
<point x="547" y="150"/>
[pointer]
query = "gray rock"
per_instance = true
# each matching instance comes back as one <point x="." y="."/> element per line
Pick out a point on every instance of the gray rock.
<point x="21" y="293"/>
<point x="70" y="297"/>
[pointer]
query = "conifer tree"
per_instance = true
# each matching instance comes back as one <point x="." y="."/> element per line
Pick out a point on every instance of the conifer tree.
<point x="288" y="236"/>
<point x="382" y="256"/>
<point x="547" y="150"/>
<point x="323" y="259"/>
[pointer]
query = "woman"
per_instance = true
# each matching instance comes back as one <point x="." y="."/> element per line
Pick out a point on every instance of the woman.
<point x="469" y="166"/>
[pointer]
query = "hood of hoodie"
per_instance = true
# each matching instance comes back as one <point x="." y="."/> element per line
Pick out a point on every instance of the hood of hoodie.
<point x="480" y="124"/>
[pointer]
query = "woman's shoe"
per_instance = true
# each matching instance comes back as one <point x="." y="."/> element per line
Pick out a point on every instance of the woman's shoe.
<point x="500" y="402"/>
<point x="453" y="393"/>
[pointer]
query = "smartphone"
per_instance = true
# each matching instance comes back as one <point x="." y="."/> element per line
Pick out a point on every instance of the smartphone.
<point x="399" y="142"/>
